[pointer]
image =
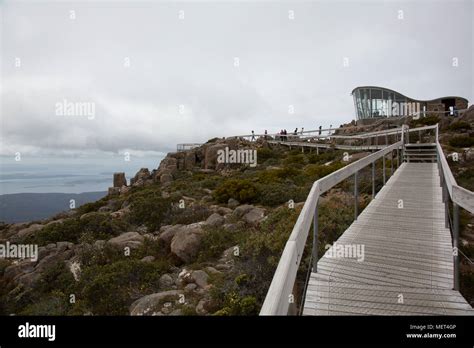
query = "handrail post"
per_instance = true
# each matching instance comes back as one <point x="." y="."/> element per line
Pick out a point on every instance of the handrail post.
<point x="356" y="210"/>
<point x="455" y="245"/>
<point x="446" y="206"/>
<point x="403" y="142"/>
<point x="383" y="160"/>
<point x="391" y="163"/>
<point x="315" y="239"/>
<point x="373" y="180"/>
<point x="398" y="158"/>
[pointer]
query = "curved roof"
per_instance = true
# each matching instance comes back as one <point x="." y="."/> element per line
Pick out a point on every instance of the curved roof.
<point x="418" y="100"/>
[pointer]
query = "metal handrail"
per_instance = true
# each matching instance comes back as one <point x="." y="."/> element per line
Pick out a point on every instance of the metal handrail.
<point x="460" y="197"/>
<point x="277" y="301"/>
<point x="458" y="194"/>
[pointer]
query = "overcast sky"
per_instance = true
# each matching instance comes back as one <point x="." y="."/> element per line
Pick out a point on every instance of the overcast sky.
<point x="183" y="84"/>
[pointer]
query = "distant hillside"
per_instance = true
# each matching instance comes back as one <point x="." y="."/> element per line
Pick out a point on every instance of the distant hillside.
<point x="22" y="207"/>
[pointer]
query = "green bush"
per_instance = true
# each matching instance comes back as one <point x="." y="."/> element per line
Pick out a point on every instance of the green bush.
<point x="275" y="194"/>
<point x="459" y="126"/>
<point x="215" y="241"/>
<point x="270" y="176"/>
<point x="91" y="227"/>
<point x="462" y="141"/>
<point x="425" y="121"/>
<point x="295" y="159"/>
<point x="242" y="190"/>
<point x="265" y="153"/>
<point x="92" y="206"/>
<point x="149" y="210"/>
<point x="324" y="157"/>
<point x="188" y="214"/>
<point x="107" y="289"/>
<point x="316" y="171"/>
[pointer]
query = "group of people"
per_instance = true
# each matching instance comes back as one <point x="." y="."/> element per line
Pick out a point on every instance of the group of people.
<point x="283" y="135"/>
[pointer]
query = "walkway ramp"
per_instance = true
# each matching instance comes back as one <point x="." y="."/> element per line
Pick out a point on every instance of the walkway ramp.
<point x="407" y="265"/>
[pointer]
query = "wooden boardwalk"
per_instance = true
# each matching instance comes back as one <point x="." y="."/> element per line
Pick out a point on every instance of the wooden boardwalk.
<point x="407" y="265"/>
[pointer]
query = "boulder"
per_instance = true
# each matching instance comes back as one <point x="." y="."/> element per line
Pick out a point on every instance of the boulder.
<point x="215" y="220"/>
<point x="119" y="214"/>
<point x="212" y="270"/>
<point x="127" y="239"/>
<point x="151" y="304"/>
<point x="254" y="216"/>
<point x="167" y="233"/>
<point x="241" y="210"/>
<point x="53" y="258"/>
<point x="232" y="203"/>
<point x="200" y="278"/>
<point x="166" y="281"/>
<point x="148" y="259"/>
<point x="63" y="246"/>
<point x="201" y="307"/>
<point x="190" y="287"/>
<point x="224" y="210"/>
<point x="26" y="232"/>
<point x="186" y="241"/>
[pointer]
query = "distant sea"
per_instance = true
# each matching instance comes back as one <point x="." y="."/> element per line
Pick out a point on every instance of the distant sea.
<point x="36" y="188"/>
<point x="66" y="175"/>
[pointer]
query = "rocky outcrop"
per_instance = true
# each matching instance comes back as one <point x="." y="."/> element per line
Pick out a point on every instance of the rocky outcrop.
<point x="142" y="175"/>
<point x="27" y="272"/>
<point x="27" y="232"/>
<point x="210" y="160"/>
<point x="119" y="180"/>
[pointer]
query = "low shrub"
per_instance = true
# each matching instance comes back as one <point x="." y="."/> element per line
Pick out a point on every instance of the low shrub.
<point x="150" y="210"/>
<point x="242" y="190"/>
<point x="91" y="227"/>
<point x="462" y="141"/>
<point x="108" y="289"/>
<point x="459" y="126"/>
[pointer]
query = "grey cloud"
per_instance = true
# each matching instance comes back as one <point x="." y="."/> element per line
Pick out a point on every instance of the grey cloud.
<point x="190" y="62"/>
